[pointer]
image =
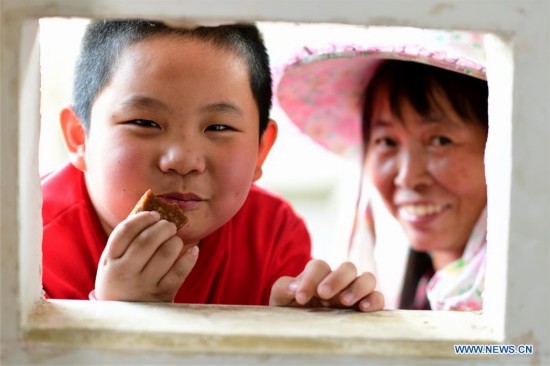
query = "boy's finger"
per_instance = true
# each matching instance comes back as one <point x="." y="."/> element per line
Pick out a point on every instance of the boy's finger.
<point x="127" y="231"/>
<point x="172" y="281"/>
<point x="283" y="292"/>
<point x="337" y="280"/>
<point x="162" y="260"/>
<point x="316" y="270"/>
<point x="373" y="302"/>
<point x="144" y="246"/>
<point x="361" y="287"/>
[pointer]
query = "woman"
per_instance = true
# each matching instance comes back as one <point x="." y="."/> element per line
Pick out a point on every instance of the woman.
<point x="418" y="117"/>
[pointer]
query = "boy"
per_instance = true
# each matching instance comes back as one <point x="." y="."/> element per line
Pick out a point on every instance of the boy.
<point x="185" y="113"/>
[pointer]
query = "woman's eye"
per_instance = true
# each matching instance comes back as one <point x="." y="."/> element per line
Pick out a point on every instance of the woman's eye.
<point x="145" y="123"/>
<point x="385" y="142"/>
<point x="441" y="141"/>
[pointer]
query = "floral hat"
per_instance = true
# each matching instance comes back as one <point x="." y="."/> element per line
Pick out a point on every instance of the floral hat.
<point x="321" y="91"/>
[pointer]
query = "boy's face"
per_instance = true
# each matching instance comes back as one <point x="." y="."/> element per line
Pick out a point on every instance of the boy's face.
<point x="179" y="117"/>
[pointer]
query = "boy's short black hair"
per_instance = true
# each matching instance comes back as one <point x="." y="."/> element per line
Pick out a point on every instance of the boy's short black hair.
<point x="105" y="40"/>
<point x="417" y="84"/>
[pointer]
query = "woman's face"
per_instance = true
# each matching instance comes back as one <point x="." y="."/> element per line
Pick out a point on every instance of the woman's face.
<point x="429" y="171"/>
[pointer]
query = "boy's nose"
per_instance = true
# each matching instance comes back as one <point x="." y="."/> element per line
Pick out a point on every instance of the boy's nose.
<point x="182" y="158"/>
<point x="412" y="169"/>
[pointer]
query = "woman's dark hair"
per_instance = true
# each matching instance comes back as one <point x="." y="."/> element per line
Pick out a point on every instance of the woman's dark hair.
<point x="105" y="40"/>
<point x="418" y="84"/>
<point x="418" y="272"/>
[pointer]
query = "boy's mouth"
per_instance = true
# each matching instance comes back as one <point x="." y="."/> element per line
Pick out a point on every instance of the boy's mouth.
<point x="186" y="200"/>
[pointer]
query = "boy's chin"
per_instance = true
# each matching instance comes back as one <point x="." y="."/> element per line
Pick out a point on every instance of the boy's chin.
<point x="188" y="239"/>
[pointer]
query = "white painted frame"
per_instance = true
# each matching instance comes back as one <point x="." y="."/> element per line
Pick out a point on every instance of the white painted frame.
<point x="516" y="312"/>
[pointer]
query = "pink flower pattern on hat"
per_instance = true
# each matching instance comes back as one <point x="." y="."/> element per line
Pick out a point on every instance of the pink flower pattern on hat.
<point x="321" y="90"/>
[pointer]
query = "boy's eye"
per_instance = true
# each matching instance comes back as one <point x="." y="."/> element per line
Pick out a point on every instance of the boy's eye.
<point x="441" y="141"/>
<point x="145" y="123"/>
<point x="218" y="128"/>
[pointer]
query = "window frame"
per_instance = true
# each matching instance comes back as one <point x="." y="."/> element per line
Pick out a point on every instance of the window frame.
<point x="41" y="332"/>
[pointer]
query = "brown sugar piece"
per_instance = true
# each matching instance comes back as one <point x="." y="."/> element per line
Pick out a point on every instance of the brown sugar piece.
<point x="167" y="211"/>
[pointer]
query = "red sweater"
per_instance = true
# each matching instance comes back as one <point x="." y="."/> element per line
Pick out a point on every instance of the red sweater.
<point x="237" y="264"/>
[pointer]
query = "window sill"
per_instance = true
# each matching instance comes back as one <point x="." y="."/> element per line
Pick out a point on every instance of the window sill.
<point x="209" y="329"/>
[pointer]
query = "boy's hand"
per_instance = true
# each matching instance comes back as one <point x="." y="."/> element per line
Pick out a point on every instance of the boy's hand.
<point x="319" y="286"/>
<point x="143" y="261"/>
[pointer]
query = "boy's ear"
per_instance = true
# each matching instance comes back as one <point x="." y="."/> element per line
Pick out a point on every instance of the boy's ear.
<point x="75" y="137"/>
<point x="266" y="142"/>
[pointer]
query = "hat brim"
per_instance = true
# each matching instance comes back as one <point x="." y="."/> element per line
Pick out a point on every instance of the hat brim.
<point x="322" y="93"/>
